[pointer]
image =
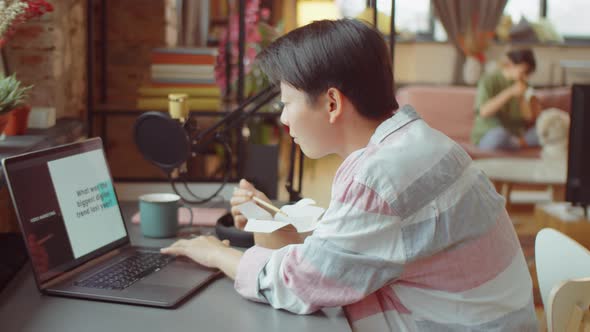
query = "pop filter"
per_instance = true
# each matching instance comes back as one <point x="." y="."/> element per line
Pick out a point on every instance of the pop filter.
<point x="168" y="144"/>
<point x="162" y="140"/>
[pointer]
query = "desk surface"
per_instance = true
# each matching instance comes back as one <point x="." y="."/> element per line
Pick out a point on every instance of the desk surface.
<point x="65" y="131"/>
<point x="217" y="307"/>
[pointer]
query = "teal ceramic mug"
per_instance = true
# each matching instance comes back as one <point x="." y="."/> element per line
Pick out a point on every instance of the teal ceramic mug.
<point x="158" y="214"/>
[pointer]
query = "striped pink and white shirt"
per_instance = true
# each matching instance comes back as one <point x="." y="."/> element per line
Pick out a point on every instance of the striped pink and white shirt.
<point x="415" y="239"/>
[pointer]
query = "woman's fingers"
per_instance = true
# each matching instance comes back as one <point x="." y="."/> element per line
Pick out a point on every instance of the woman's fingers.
<point x="240" y="221"/>
<point x="237" y="200"/>
<point x="244" y="184"/>
<point x="179" y="243"/>
<point x="243" y="192"/>
<point x="174" y="251"/>
<point x="235" y="212"/>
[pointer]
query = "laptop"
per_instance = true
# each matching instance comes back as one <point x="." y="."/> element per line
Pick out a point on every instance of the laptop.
<point x="77" y="239"/>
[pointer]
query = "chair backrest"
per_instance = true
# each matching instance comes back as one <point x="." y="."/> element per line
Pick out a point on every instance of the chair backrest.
<point x="567" y="309"/>
<point x="563" y="271"/>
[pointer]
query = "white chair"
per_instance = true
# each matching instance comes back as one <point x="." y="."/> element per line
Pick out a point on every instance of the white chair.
<point x="563" y="271"/>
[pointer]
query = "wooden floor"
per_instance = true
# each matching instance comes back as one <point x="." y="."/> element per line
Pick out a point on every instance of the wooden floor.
<point x="524" y="224"/>
<point x="317" y="184"/>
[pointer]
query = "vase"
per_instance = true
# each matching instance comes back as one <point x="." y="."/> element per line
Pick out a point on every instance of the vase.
<point x="471" y="70"/>
<point x="18" y="121"/>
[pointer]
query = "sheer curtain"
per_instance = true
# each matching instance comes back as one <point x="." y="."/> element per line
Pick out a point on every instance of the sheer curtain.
<point x="470" y="25"/>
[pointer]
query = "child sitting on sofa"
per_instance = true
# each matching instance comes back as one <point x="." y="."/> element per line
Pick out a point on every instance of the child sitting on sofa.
<point x="505" y="105"/>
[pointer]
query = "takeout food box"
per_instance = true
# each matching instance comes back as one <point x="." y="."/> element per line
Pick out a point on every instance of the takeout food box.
<point x="292" y="226"/>
<point x="280" y="238"/>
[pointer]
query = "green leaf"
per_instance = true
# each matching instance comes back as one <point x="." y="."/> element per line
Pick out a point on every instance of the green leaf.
<point x="12" y="93"/>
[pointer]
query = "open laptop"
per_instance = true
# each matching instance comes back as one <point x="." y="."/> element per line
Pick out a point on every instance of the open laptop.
<point x="76" y="238"/>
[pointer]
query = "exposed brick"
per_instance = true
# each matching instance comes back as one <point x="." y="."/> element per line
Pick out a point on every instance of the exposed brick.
<point x="49" y="53"/>
<point x="30" y="31"/>
<point x="136" y="21"/>
<point x="32" y="60"/>
<point x="33" y="35"/>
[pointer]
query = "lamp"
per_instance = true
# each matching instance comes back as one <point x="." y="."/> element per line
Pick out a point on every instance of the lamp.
<point x="309" y="11"/>
<point x="176" y="142"/>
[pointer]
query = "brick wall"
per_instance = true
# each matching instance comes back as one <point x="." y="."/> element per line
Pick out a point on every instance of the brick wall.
<point x="49" y="53"/>
<point x="134" y="28"/>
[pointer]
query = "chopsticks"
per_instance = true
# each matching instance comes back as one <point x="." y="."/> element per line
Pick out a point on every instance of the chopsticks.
<point x="268" y="206"/>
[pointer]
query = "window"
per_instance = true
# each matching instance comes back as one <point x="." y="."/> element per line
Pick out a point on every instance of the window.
<point x="415" y="17"/>
<point x="569" y="17"/>
<point x="529" y="9"/>
<point x="411" y="16"/>
<point x="351" y="8"/>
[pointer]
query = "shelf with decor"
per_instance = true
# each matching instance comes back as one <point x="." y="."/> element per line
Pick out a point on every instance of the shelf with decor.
<point x="102" y="112"/>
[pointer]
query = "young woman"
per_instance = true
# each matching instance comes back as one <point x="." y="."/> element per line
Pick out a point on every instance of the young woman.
<point x="415" y="238"/>
<point x="505" y="105"/>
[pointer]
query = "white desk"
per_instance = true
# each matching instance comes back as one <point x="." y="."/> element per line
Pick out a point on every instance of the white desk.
<point x="217" y="307"/>
<point x="579" y="67"/>
<point x="505" y="173"/>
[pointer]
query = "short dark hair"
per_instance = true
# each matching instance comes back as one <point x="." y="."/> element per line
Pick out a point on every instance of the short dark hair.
<point x="345" y="54"/>
<point x="525" y="56"/>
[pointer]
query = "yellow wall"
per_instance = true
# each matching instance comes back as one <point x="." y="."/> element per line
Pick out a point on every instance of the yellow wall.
<point x="434" y="62"/>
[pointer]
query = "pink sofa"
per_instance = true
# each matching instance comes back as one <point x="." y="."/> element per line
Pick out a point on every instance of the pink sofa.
<point x="450" y="110"/>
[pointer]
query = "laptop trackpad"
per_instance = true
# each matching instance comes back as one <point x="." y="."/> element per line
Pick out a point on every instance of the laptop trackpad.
<point x="180" y="273"/>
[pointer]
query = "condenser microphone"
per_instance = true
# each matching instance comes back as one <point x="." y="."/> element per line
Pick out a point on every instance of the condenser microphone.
<point x="162" y="140"/>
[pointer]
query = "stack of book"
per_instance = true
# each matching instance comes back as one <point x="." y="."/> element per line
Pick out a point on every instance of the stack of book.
<point x="181" y="70"/>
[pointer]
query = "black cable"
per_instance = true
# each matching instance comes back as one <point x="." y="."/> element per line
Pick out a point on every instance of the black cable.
<point x="201" y="139"/>
<point x="185" y="182"/>
<point x="186" y="188"/>
<point x="228" y="163"/>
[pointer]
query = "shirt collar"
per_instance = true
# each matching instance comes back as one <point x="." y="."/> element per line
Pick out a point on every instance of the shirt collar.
<point x="402" y="117"/>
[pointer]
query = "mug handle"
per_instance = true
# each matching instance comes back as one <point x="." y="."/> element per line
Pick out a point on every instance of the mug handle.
<point x="190" y="211"/>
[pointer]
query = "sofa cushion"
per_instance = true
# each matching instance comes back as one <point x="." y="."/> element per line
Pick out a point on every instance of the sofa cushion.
<point x="556" y="97"/>
<point x="450" y="110"/>
<point x="445" y="108"/>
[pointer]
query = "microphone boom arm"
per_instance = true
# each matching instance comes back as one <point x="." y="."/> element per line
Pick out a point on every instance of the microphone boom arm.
<point x="234" y="118"/>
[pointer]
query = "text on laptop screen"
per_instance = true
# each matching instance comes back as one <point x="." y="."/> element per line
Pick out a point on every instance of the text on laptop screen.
<point x="68" y="208"/>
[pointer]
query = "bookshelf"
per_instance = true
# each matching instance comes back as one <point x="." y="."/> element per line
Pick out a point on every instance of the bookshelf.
<point x="104" y="117"/>
<point x="101" y="113"/>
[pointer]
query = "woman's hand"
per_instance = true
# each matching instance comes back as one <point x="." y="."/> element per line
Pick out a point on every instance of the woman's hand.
<point x="243" y="193"/>
<point x="208" y="251"/>
<point x="204" y="250"/>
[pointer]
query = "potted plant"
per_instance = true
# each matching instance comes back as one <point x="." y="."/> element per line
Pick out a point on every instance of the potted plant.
<point x="12" y="14"/>
<point x="12" y="96"/>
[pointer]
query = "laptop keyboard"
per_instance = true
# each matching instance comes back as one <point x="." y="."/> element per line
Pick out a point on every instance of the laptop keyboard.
<point x="126" y="272"/>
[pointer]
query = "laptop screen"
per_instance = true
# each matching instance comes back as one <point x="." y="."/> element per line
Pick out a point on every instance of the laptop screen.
<point x="66" y="206"/>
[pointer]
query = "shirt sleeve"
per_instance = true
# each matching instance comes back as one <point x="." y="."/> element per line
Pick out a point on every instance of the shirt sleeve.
<point x="484" y="92"/>
<point x="348" y="257"/>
